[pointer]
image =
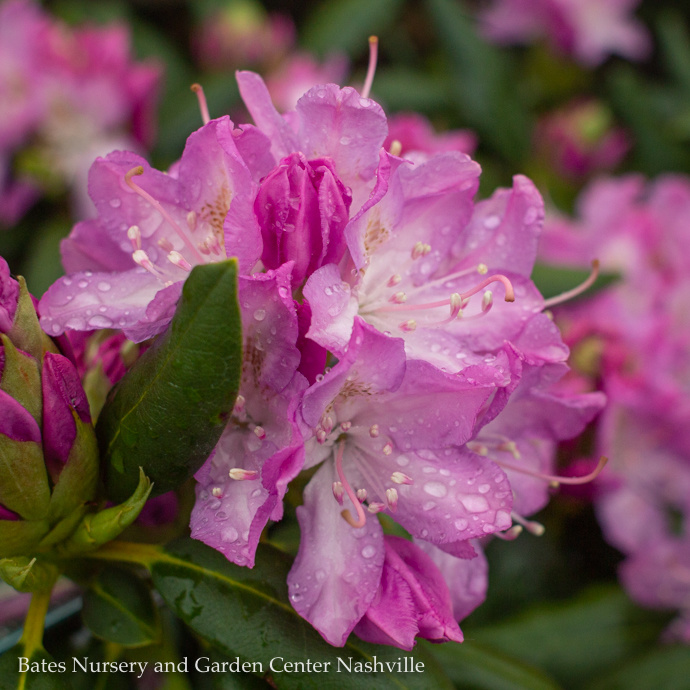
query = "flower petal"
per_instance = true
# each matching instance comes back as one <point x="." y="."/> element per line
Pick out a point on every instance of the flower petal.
<point x="338" y="567"/>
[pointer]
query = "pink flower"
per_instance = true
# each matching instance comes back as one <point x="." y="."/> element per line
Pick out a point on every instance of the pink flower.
<point x="413" y="599"/>
<point x="579" y="140"/>
<point x="70" y="94"/>
<point x="128" y="265"/>
<point x="391" y="430"/>
<point x="416" y="135"/>
<point x="588" y="30"/>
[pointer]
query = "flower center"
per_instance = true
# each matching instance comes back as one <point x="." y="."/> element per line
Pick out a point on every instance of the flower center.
<point x="386" y="298"/>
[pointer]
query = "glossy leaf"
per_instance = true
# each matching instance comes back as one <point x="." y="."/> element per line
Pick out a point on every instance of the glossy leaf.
<point x="118" y="608"/>
<point x="168" y="412"/>
<point x="473" y="666"/>
<point x="578" y="640"/>
<point x="246" y="613"/>
<point x="667" y="668"/>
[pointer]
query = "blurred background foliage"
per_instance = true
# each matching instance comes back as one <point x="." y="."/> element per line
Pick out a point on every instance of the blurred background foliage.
<point x="555" y="616"/>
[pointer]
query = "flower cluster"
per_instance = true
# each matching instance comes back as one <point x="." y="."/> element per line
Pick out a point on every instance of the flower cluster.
<point x="632" y="340"/>
<point x="376" y="355"/>
<point x="67" y="95"/>
<point x="589" y="30"/>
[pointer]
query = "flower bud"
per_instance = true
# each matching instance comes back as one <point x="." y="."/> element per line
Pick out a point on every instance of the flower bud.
<point x="303" y="208"/>
<point x="48" y="450"/>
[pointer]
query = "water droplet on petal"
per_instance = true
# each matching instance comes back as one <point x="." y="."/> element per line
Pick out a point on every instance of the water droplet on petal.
<point x="435" y="489"/>
<point x="259" y="314"/>
<point x="100" y="321"/>
<point x="368" y="551"/>
<point x="103" y="286"/>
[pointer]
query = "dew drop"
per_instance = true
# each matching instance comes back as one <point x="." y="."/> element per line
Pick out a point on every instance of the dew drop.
<point x="492" y="222"/>
<point x="115" y="203"/>
<point x="259" y="314"/>
<point x="483" y="488"/>
<point x="229" y="534"/>
<point x="83" y="283"/>
<point x="461" y="525"/>
<point x="475" y="504"/>
<point x="100" y="321"/>
<point x="104" y="287"/>
<point x="437" y="489"/>
<point x="368" y="551"/>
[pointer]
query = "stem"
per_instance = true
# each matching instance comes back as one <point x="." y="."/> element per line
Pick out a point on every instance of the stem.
<point x="32" y="637"/>
<point x="128" y="552"/>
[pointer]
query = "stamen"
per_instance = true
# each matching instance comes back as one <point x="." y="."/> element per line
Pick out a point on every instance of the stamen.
<point x="346" y="426"/>
<point x="371" y="70"/>
<point x="556" y="480"/>
<point x="565" y="296"/>
<point x="487" y="301"/>
<point x="478" y="448"/>
<point x="392" y="498"/>
<point x="497" y="278"/>
<point x="134" y="235"/>
<point x="217" y="492"/>
<point x="327" y="424"/>
<point x="510" y="447"/>
<point x="361" y="495"/>
<point x="321" y="436"/>
<point x="374" y="430"/>
<point x="203" y="105"/>
<point x="178" y="260"/>
<point x="510" y="534"/>
<point x="165" y="244"/>
<point x="387" y="449"/>
<point x="347" y="515"/>
<point x="394" y="280"/>
<point x="191" y="220"/>
<point x="338" y="492"/>
<point x="239" y="474"/>
<point x="142" y="258"/>
<point x="532" y="526"/>
<point x="396" y="148"/>
<point x="139" y="170"/>
<point x="376" y="507"/>
<point x="482" y="269"/>
<point x="419" y="250"/>
<point x="239" y="405"/>
<point x="400" y="478"/>
<point x="399" y="298"/>
<point x="408" y="326"/>
<point x="260" y="432"/>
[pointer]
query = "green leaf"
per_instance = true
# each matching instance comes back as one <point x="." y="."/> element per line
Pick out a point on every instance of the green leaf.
<point x="99" y="528"/>
<point x="473" y="666"/>
<point x="39" y="670"/>
<point x="245" y="613"/>
<point x="552" y="280"/>
<point x="482" y="82"/>
<point x="578" y="640"/>
<point x="169" y="411"/>
<point x="667" y="668"/>
<point x="118" y="608"/>
<point x="345" y="25"/>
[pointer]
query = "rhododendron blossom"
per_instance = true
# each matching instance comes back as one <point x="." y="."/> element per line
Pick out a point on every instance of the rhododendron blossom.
<point x="394" y="347"/>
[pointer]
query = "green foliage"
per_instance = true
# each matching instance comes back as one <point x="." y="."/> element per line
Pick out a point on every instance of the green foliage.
<point x="168" y="413"/>
<point x="118" y="608"/>
<point x="246" y="613"/>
